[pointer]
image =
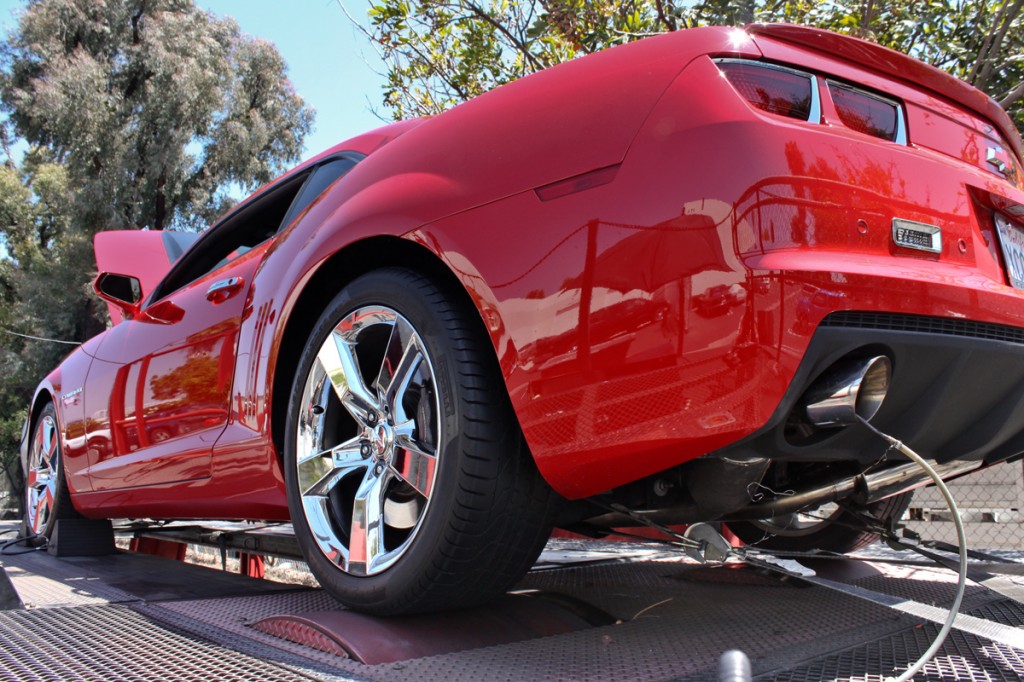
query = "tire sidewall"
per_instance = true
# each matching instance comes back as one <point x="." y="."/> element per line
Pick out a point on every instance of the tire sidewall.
<point x="384" y="288"/>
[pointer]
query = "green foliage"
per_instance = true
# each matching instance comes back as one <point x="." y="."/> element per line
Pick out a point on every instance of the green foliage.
<point x="138" y="114"/>
<point x="439" y="53"/>
<point x="153" y="105"/>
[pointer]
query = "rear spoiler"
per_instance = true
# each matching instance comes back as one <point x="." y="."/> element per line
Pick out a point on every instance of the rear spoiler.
<point x="896" y="65"/>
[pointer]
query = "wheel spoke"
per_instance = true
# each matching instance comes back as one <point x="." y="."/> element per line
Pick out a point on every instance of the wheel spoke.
<point x="365" y="534"/>
<point x="50" y="493"/>
<point x="318" y="472"/>
<point x="41" y="507"/>
<point x="51" y="441"/>
<point x="315" y="508"/>
<point x="416" y="468"/>
<point x="348" y="453"/>
<point x="401" y="360"/>
<point x="337" y="357"/>
<point x="412" y="462"/>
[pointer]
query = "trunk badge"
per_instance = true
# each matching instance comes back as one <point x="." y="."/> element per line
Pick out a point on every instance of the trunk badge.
<point x="914" y="235"/>
<point x="999" y="161"/>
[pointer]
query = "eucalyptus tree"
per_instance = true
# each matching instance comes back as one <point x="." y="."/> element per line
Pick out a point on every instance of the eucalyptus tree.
<point x="136" y="114"/>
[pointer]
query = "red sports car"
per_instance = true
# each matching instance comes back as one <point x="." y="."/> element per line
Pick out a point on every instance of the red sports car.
<point x="662" y="282"/>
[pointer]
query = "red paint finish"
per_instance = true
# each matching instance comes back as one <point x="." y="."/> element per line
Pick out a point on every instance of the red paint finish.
<point x="649" y="253"/>
<point x="165" y="549"/>
<point x="158" y="391"/>
<point x="139" y="252"/>
<point x="251" y="565"/>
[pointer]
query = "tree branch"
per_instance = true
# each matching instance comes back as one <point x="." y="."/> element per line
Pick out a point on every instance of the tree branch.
<point x="439" y="72"/>
<point x="867" y="16"/>
<point x="1012" y="96"/>
<point x="5" y="140"/>
<point x="669" y="22"/>
<point x="1008" y="17"/>
<point x="516" y="42"/>
<point x="986" y="45"/>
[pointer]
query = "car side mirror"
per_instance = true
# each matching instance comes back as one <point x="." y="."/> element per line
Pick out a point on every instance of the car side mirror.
<point x="124" y="291"/>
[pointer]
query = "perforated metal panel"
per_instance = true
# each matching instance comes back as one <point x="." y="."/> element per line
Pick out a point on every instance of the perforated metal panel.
<point x="962" y="658"/>
<point x="676" y="618"/>
<point x="101" y="643"/>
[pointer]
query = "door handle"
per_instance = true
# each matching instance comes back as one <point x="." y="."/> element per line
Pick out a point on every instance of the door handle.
<point x="224" y="289"/>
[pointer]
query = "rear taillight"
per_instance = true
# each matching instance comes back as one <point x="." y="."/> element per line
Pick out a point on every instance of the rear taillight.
<point x="775" y="89"/>
<point x="867" y="113"/>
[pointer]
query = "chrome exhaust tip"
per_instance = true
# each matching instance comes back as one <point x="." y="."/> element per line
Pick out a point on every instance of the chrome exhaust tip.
<point x="850" y="389"/>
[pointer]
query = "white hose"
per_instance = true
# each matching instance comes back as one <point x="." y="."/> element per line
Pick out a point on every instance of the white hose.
<point x="961" y="537"/>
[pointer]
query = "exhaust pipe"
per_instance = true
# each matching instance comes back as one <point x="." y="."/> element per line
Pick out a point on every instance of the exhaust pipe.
<point x="850" y="389"/>
<point x="865" y="489"/>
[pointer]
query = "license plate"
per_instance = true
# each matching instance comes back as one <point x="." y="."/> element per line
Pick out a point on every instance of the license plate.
<point x="1011" y="239"/>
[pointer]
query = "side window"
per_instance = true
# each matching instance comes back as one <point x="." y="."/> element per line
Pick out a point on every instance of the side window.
<point x="253" y="223"/>
<point x="246" y="227"/>
<point x="323" y="177"/>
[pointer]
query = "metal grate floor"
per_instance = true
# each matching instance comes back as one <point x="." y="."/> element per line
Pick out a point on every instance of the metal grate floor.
<point x="101" y="643"/>
<point x="106" y="619"/>
<point x="676" y="619"/>
<point x="963" y="657"/>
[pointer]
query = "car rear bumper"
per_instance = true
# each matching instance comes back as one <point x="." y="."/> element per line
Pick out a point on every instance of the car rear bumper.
<point x="957" y="391"/>
<point x="955" y="339"/>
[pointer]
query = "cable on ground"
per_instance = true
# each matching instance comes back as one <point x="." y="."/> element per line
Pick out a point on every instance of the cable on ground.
<point x="961" y="537"/>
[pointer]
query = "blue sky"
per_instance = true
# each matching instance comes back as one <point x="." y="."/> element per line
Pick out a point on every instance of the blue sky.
<point x="331" y="64"/>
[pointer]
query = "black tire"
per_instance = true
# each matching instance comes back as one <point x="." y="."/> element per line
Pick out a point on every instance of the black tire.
<point x="839" y="532"/>
<point x="47" y="498"/>
<point x="471" y="513"/>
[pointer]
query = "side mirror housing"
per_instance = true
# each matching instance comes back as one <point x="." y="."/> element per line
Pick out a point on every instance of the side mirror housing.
<point x="122" y="291"/>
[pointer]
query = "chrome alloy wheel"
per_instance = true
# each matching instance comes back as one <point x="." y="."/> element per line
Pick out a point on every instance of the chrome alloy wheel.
<point x="366" y="450"/>
<point x="43" y="466"/>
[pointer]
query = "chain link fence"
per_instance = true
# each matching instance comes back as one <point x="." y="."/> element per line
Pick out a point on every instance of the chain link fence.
<point x="990" y="503"/>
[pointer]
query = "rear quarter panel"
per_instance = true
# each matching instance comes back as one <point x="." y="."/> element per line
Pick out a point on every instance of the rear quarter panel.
<point x="617" y="373"/>
<point x="544" y="128"/>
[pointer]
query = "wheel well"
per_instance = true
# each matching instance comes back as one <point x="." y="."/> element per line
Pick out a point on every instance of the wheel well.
<point x="41" y="400"/>
<point x="38" y="403"/>
<point x="334" y="274"/>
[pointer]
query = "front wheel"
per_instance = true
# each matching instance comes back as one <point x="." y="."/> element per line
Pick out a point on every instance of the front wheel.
<point x="47" y="498"/>
<point x="409" y="484"/>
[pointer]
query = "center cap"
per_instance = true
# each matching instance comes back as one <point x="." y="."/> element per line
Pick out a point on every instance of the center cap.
<point x="380" y="440"/>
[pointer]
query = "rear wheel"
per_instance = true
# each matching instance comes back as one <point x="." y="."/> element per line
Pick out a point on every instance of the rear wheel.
<point x="409" y="484"/>
<point x="830" y="527"/>
<point x="47" y="498"/>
